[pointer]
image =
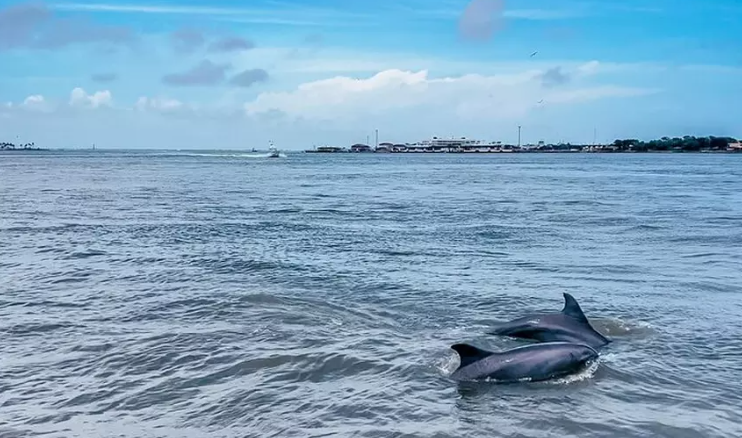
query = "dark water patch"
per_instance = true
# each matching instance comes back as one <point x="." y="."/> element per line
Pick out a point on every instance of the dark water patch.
<point x="285" y="211"/>
<point x="68" y="277"/>
<point x="704" y="255"/>
<point x="50" y="304"/>
<point x="724" y="219"/>
<point x="241" y="267"/>
<point x="51" y="249"/>
<point x="92" y="348"/>
<point x="396" y="253"/>
<point x="39" y="329"/>
<point x="85" y="254"/>
<point x="645" y="228"/>
<point x="9" y="432"/>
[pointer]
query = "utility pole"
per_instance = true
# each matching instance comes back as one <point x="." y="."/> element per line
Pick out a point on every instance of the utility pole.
<point x="367" y="140"/>
<point x="519" y="135"/>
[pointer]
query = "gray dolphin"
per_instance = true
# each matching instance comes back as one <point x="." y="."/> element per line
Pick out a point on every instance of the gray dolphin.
<point x="569" y="325"/>
<point x="535" y="362"/>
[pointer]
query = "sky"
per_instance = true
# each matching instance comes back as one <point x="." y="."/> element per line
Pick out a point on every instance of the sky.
<point x="228" y="74"/>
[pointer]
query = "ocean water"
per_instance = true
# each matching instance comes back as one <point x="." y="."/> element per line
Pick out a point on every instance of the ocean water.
<point x="222" y="294"/>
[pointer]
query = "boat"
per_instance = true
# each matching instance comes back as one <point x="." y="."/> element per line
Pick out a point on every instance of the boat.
<point x="273" y="152"/>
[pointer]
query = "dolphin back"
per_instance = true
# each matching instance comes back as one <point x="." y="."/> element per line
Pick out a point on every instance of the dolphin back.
<point x="535" y="362"/>
<point x="570" y="325"/>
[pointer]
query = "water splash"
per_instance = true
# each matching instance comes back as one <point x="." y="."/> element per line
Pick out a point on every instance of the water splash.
<point x="585" y="374"/>
<point x="447" y="364"/>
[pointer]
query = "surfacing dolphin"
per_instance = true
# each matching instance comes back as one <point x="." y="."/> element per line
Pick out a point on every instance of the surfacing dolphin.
<point x="569" y="325"/>
<point x="535" y="362"/>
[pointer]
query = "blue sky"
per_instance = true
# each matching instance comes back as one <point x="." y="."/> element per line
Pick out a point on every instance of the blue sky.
<point x="236" y="74"/>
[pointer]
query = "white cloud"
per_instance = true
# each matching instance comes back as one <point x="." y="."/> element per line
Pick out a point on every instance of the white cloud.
<point x="36" y="102"/>
<point x="327" y="61"/>
<point x="589" y="68"/>
<point x="33" y="100"/>
<point x="414" y="94"/>
<point x="159" y="104"/>
<point x="80" y="99"/>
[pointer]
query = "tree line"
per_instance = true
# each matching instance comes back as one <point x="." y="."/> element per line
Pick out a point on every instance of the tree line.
<point x="12" y="146"/>
<point x="686" y="143"/>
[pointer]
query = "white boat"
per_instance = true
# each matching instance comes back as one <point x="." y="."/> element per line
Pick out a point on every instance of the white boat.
<point x="273" y="152"/>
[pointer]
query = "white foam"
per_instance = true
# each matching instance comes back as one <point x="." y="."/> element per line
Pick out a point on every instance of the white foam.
<point x="587" y="373"/>
<point x="448" y="364"/>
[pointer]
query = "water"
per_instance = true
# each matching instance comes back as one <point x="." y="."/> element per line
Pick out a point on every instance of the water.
<point x="166" y="294"/>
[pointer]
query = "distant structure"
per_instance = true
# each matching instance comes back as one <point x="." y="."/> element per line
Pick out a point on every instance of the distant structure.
<point x="326" y="150"/>
<point x="358" y="147"/>
<point x="385" y="148"/>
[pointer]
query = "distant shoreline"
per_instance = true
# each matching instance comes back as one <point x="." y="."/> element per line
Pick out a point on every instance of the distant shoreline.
<point x="463" y="145"/>
<point x="5" y="146"/>
<point x="706" y="151"/>
<point x="665" y="145"/>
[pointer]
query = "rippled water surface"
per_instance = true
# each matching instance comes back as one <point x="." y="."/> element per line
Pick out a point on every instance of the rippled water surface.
<point x="212" y="294"/>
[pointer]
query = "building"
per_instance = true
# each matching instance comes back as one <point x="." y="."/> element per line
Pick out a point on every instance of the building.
<point x="439" y="145"/>
<point x="326" y="149"/>
<point x="358" y="147"/>
<point x="385" y="147"/>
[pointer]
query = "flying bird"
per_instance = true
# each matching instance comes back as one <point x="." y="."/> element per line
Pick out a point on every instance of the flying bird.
<point x="534" y="53"/>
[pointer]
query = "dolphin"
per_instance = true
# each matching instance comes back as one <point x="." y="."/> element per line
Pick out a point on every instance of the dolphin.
<point x="569" y="325"/>
<point x="534" y="362"/>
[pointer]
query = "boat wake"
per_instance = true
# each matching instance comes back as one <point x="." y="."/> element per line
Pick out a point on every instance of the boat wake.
<point x="252" y="155"/>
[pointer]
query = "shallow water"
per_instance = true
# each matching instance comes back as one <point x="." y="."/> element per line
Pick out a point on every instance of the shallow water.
<point x="192" y="294"/>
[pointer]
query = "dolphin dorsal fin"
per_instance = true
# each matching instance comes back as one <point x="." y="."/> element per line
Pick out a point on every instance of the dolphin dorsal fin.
<point x="571" y="308"/>
<point x="470" y="354"/>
